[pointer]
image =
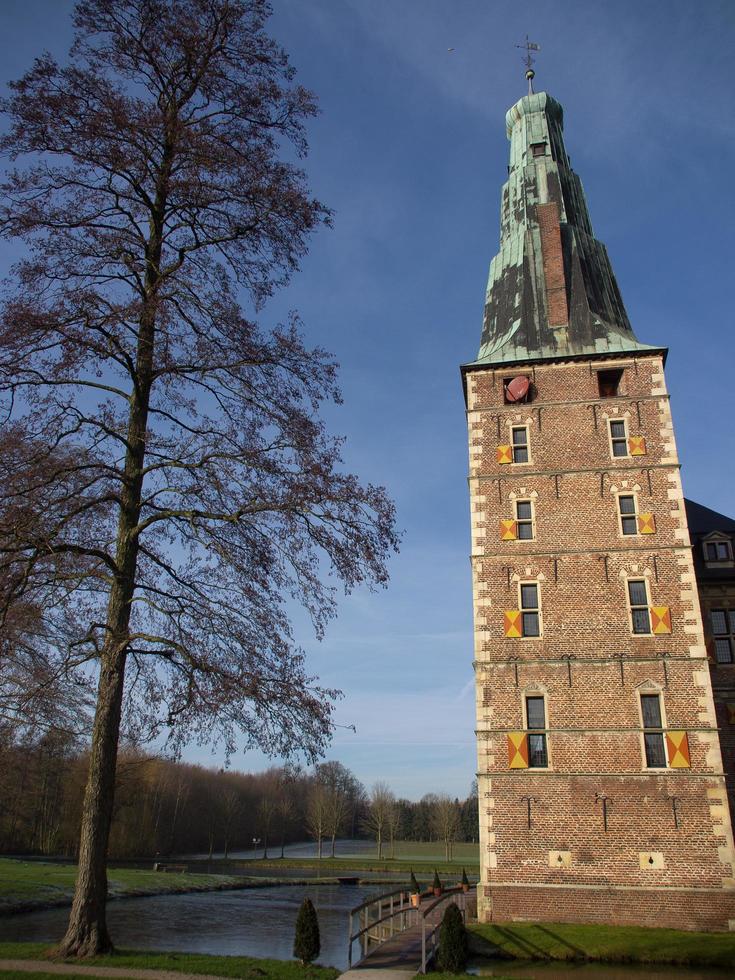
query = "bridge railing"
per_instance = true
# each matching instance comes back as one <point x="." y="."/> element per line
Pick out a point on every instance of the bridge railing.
<point x="379" y="918"/>
<point x="430" y="929"/>
<point x="386" y="915"/>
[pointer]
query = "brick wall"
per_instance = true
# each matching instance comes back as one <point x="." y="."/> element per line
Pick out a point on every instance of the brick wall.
<point x="667" y="828"/>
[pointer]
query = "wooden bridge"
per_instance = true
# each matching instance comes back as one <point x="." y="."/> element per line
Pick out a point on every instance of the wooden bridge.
<point x="395" y="935"/>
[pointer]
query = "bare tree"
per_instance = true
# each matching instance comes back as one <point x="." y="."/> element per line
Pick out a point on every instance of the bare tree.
<point x="231" y="810"/>
<point x="445" y="821"/>
<point x="341" y="789"/>
<point x="316" y="815"/>
<point x="266" y="813"/>
<point x="382" y="802"/>
<point x="178" y="485"/>
<point x="394" y="826"/>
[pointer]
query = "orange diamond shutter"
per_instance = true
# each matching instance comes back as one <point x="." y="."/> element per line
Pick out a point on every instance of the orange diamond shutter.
<point x="505" y="454"/>
<point x="508" y="530"/>
<point x="517" y="750"/>
<point x="646" y="524"/>
<point x="637" y="446"/>
<point x="677" y="744"/>
<point x="660" y="619"/>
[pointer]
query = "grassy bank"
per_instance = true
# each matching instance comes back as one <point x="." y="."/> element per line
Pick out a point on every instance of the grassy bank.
<point x="25" y="885"/>
<point x="247" y="967"/>
<point x="612" y="944"/>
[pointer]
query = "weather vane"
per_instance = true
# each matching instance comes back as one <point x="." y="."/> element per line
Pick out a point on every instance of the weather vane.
<point x="528" y="61"/>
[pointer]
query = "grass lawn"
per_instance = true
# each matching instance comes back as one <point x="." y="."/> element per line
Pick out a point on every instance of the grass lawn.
<point x="422" y="856"/>
<point x="614" y="944"/>
<point x="247" y="967"/>
<point x="33" y="882"/>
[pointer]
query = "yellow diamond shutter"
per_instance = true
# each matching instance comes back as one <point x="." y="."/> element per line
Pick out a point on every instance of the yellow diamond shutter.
<point x="517" y="750"/>
<point x="677" y="744"/>
<point x="508" y="530"/>
<point x="512" y="623"/>
<point x="637" y="445"/>
<point x="646" y="524"/>
<point x="660" y="619"/>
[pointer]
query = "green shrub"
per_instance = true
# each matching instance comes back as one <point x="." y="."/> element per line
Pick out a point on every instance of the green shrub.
<point x="465" y="879"/>
<point x="414" y="886"/>
<point x="437" y="882"/>
<point x="452" y="955"/>
<point x="306" y="943"/>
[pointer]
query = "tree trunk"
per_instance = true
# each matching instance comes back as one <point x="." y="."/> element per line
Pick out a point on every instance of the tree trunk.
<point x="87" y="934"/>
<point x="265" y="845"/>
<point x="333" y="843"/>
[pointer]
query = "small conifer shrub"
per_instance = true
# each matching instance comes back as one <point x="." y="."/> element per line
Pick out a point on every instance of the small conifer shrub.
<point x="414" y="886"/>
<point x="306" y="943"/>
<point x="452" y="955"/>
<point x="437" y="885"/>
<point x="465" y="880"/>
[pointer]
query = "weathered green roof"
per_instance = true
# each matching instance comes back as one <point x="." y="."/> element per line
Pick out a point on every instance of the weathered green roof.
<point x="522" y="319"/>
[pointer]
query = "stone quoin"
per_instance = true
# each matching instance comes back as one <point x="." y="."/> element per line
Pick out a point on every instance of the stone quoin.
<point x="602" y="792"/>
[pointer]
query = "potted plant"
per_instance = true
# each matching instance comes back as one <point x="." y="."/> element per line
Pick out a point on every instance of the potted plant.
<point x="414" y="890"/>
<point x="436" y="885"/>
<point x="465" y="881"/>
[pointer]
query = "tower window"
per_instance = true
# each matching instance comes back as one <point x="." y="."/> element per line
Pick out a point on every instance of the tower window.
<point x="538" y="149"/>
<point x="536" y="721"/>
<point x="628" y="515"/>
<point x="723" y="631"/>
<point x="639" y="612"/>
<point x="653" y="734"/>
<point x="619" y="437"/>
<point x="524" y="520"/>
<point x="608" y="382"/>
<point x="530" y="609"/>
<point x="520" y="444"/>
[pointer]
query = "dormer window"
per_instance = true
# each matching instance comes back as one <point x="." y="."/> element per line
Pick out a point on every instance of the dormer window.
<point x="717" y="550"/>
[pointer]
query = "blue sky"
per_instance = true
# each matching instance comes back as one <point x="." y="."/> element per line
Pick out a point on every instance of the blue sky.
<point x="410" y="151"/>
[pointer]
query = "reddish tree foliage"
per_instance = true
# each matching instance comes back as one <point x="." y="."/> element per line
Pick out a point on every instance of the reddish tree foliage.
<point x="174" y="485"/>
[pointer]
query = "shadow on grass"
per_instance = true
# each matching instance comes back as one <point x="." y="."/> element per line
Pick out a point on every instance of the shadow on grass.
<point x="521" y="943"/>
<point x="580" y="953"/>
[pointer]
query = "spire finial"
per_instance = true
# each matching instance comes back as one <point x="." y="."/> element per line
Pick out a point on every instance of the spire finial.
<point x="528" y="61"/>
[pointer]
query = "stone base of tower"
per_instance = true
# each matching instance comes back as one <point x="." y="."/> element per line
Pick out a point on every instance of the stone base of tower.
<point x="706" y="910"/>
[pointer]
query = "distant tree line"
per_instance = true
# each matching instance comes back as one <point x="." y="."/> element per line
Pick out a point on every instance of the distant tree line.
<point x="165" y="807"/>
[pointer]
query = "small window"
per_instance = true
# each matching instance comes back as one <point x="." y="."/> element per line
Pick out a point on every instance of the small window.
<point x="639" y="613"/>
<point x="524" y="520"/>
<point x="723" y="630"/>
<point x="608" y="382"/>
<point x="619" y="437"/>
<point x="538" y="149"/>
<point x="520" y="444"/>
<point x="530" y="609"/>
<point x="653" y="734"/>
<point x="536" y="721"/>
<point x="628" y="515"/>
<point x="718" y="551"/>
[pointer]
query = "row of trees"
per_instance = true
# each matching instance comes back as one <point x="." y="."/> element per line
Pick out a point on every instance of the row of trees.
<point x="163" y="807"/>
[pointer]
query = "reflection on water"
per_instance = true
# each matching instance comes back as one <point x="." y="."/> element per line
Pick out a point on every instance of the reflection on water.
<point x="252" y="922"/>
<point x="517" y="970"/>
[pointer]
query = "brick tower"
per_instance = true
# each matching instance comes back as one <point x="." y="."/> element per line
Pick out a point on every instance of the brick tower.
<point x="602" y="797"/>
